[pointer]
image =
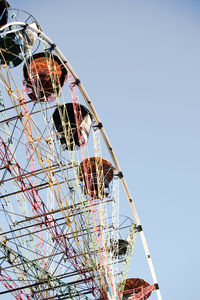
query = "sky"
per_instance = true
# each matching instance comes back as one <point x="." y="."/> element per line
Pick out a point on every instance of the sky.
<point x="139" y="62"/>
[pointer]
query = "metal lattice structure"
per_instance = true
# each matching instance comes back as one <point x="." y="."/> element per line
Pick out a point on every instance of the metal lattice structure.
<point x="62" y="236"/>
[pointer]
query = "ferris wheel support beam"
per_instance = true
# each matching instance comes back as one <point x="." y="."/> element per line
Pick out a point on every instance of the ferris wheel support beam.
<point x="86" y="97"/>
<point x="56" y="231"/>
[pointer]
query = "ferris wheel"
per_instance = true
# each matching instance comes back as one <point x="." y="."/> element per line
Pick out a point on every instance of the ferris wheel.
<point x="62" y="235"/>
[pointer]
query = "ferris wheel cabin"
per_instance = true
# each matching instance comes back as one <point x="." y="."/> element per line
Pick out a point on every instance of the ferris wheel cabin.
<point x="136" y="287"/>
<point x="71" y="134"/>
<point x="44" y="76"/>
<point x="118" y="248"/>
<point x="15" y="45"/>
<point x="96" y="173"/>
<point x="3" y="12"/>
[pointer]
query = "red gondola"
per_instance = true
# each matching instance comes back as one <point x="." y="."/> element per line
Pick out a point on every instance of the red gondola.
<point x="44" y="76"/>
<point x="94" y="184"/>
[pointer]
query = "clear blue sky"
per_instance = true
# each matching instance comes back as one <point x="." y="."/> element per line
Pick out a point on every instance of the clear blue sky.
<point x="139" y="61"/>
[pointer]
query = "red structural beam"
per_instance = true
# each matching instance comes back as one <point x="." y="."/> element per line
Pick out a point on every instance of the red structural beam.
<point x="39" y="207"/>
<point x="9" y="283"/>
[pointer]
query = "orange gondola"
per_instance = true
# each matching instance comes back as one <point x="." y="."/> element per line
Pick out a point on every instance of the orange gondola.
<point x="90" y="173"/>
<point x="136" y="287"/>
<point x="44" y="76"/>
